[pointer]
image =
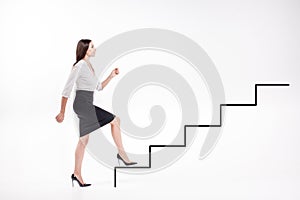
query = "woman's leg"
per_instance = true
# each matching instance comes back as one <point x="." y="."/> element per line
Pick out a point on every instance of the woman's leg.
<point x="116" y="134"/>
<point x="79" y="153"/>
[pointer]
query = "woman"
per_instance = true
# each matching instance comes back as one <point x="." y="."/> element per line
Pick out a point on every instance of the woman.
<point x="90" y="116"/>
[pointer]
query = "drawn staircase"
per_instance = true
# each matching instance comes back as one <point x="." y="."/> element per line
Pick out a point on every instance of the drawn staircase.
<point x="186" y="126"/>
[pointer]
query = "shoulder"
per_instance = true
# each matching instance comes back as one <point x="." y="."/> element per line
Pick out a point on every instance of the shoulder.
<point x="79" y="64"/>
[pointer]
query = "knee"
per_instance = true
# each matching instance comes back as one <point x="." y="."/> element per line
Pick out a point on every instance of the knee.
<point x="84" y="140"/>
<point x="118" y="120"/>
<point x="115" y="121"/>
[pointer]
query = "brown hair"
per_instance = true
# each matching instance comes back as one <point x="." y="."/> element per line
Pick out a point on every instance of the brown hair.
<point x="82" y="47"/>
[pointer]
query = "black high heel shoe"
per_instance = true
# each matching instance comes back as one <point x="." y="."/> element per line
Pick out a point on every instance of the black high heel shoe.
<point x="73" y="177"/>
<point x="126" y="163"/>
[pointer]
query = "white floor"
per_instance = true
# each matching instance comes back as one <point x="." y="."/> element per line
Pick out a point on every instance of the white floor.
<point x="253" y="160"/>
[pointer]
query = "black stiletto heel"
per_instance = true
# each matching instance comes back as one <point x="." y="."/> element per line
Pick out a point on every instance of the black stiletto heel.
<point x="74" y="178"/>
<point x="119" y="161"/>
<point x="126" y="163"/>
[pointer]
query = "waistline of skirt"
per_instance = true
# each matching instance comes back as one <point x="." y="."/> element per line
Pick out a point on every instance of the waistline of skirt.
<point x="84" y="95"/>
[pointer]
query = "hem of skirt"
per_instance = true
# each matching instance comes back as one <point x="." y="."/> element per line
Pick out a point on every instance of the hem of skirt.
<point x="90" y="130"/>
<point x="101" y="125"/>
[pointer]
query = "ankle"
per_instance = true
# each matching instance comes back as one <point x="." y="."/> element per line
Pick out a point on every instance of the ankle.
<point x="77" y="174"/>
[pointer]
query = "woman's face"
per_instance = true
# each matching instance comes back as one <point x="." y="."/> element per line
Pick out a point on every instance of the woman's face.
<point x="91" y="50"/>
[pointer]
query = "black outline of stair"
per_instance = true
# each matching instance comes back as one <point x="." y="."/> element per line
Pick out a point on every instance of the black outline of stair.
<point x="185" y="126"/>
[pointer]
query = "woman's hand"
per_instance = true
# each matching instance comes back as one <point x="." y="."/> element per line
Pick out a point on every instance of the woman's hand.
<point x="114" y="72"/>
<point x="60" y="117"/>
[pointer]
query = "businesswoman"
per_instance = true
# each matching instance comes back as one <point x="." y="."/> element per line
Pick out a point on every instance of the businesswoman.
<point x="90" y="116"/>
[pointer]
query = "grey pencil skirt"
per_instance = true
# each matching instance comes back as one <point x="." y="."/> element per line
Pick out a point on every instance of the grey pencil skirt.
<point x="90" y="116"/>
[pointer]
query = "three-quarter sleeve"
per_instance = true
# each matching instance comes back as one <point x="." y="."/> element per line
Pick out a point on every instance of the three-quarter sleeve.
<point x="99" y="86"/>
<point x="71" y="80"/>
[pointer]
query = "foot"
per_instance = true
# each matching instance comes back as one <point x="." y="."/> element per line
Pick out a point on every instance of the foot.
<point x="124" y="156"/>
<point x="78" y="176"/>
<point x="126" y="163"/>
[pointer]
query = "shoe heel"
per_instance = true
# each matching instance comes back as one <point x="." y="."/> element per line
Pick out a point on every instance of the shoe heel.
<point x="80" y="184"/>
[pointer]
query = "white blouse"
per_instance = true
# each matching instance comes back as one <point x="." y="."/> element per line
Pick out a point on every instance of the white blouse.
<point x="84" y="77"/>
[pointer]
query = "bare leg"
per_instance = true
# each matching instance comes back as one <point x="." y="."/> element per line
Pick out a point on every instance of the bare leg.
<point x="79" y="153"/>
<point x="116" y="134"/>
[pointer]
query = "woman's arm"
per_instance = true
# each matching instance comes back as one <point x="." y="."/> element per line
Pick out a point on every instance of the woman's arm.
<point x="63" y="104"/>
<point x="61" y="115"/>
<point x="67" y="90"/>
<point x="108" y="79"/>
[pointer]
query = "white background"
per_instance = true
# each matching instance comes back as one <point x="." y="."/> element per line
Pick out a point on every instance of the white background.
<point x="250" y="42"/>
